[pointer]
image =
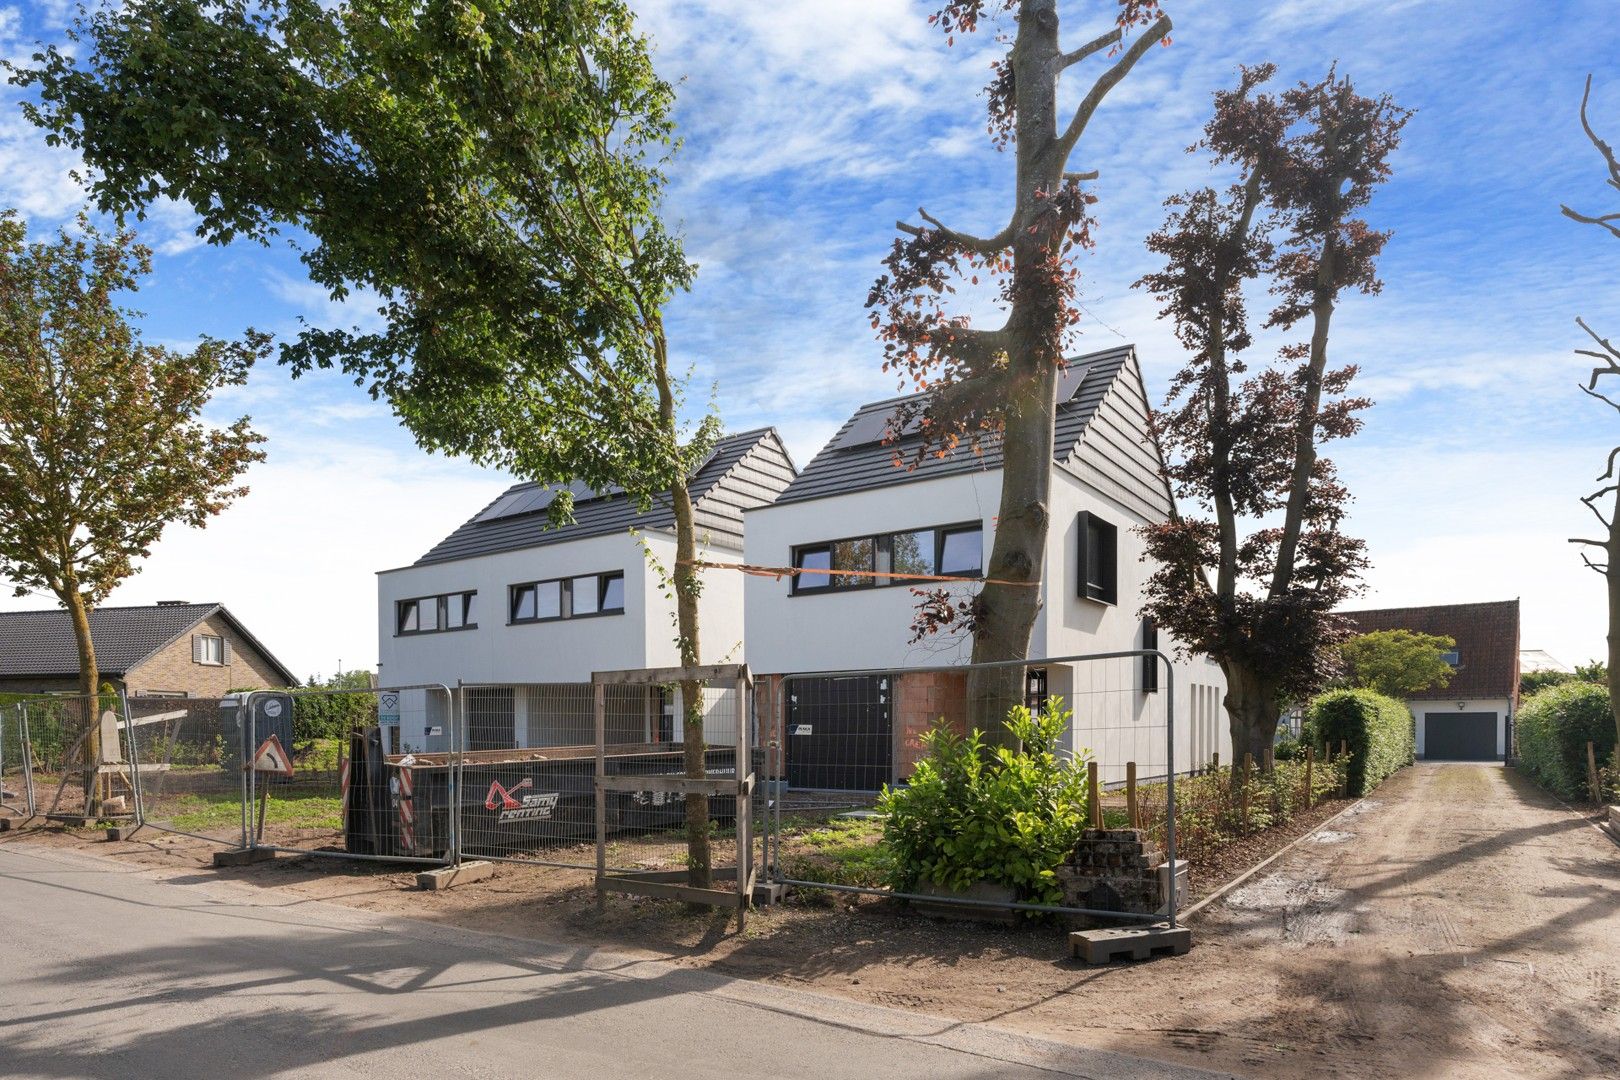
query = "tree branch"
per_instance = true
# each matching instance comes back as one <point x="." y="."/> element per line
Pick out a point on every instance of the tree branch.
<point x="1090" y="48"/>
<point x="973" y="243"/>
<point x="1591" y="504"/>
<point x="1609" y="159"/>
<point x="1108" y="80"/>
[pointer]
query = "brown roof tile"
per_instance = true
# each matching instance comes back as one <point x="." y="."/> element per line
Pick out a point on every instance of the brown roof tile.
<point x="1487" y="636"/>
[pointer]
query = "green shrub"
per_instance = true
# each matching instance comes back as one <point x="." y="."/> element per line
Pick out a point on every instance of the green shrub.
<point x="1553" y="729"/>
<point x="969" y="815"/>
<point x="1378" y="730"/>
<point x="1287" y="749"/>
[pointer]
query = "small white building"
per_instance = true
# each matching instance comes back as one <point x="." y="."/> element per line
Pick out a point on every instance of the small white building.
<point x="526" y="612"/>
<point x="854" y="509"/>
<point x="1471" y="717"/>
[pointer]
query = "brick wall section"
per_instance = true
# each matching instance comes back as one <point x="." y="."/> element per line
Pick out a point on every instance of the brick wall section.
<point x="171" y="669"/>
<point x="921" y="699"/>
<point x="1111" y="870"/>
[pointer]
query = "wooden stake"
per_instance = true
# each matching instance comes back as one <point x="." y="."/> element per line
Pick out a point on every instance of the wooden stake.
<point x="1592" y="775"/>
<point x="1310" y="761"/>
<point x="1248" y="764"/>
<point x="1093" y="795"/>
<point x="1270" y="759"/>
<point x="1215" y="761"/>
<point x="1130" y="793"/>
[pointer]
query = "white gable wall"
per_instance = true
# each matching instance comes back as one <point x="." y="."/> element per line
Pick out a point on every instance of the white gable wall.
<point x="568" y="650"/>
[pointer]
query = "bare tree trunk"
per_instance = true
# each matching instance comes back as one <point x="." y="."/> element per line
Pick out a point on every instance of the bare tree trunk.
<point x="1252" y="710"/>
<point x="1612" y="578"/>
<point x="1006" y="613"/>
<point x="699" y="872"/>
<point x="79" y="615"/>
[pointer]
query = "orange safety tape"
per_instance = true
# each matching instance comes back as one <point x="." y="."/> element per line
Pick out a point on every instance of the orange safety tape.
<point x="779" y="572"/>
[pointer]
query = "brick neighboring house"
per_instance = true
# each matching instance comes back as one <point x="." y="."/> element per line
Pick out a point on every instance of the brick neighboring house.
<point x="1471" y="718"/>
<point x="169" y="649"/>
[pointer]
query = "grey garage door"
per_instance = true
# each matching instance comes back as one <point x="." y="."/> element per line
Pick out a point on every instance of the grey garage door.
<point x="1459" y="736"/>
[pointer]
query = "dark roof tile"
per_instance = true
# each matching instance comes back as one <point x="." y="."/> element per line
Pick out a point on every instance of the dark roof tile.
<point x="1487" y="636"/>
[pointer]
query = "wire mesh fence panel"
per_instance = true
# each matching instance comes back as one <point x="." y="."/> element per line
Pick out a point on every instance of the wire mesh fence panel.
<point x="189" y="754"/>
<point x="81" y="765"/>
<point x="16" y="775"/>
<point x="366" y="773"/>
<point x="836" y="741"/>
<point x="675" y="819"/>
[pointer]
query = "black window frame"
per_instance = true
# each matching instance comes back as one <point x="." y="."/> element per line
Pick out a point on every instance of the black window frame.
<point x="1105" y="591"/>
<point x="565" y="598"/>
<point x="837" y="583"/>
<point x="1150" y="664"/>
<point x="441" y="611"/>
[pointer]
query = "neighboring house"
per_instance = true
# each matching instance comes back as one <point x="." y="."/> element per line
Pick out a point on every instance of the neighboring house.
<point x="854" y="508"/>
<point x="1470" y="719"/>
<point x="508" y="601"/>
<point x="1542" y="660"/>
<point x="168" y="649"/>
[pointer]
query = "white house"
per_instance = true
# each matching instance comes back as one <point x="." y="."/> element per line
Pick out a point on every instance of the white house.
<point x="1471" y="717"/>
<point x="526" y="612"/>
<point x="853" y="508"/>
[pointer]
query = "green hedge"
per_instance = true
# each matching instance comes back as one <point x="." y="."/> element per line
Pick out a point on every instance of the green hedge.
<point x="1553" y="729"/>
<point x="1378" y="729"/>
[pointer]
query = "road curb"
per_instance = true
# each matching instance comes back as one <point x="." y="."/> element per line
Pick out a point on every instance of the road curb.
<point x="1261" y="865"/>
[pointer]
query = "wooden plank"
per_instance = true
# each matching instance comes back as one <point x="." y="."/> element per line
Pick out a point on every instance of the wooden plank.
<point x="711" y="673"/>
<point x="680" y="785"/>
<point x="666" y="891"/>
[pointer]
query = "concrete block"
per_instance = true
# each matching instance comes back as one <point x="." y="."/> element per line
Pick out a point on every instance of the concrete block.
<point x="121" y="832"/>
<point x="1614" y="818"/>
<point x="1183" y="885"/>
<point x="1129" y="943"/>
<point x="446" y="877"/>
<point x="982" y="890"/>
<point x="5" y="824"/>
<point x="243" y="856"/>
<point x="767" y="893"/>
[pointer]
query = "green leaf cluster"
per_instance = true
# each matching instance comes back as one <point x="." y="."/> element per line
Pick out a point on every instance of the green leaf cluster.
<point x="1378" y="729"/>
<point x="1397" y="663"/>
<point x="1005" y="816"/>
<point x="485" y="173"/>
<point x="1553" y="729"/>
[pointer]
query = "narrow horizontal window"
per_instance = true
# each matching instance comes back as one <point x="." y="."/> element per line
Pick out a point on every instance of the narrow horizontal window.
<point x="426" y="614"/>
<point x="568" y="598"/>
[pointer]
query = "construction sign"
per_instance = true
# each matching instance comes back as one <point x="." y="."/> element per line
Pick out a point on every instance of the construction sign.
<point x="272" y="757"/>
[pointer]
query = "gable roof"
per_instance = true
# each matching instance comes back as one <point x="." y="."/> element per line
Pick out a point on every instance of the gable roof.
<point x="745" y="470"/>
<point x="41" y="643"/>
<point x="857" y="458"/>
<point x="1487" y="636"/>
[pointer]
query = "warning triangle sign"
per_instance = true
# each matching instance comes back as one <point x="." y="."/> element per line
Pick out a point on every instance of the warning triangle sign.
<point x="271" y="757"/>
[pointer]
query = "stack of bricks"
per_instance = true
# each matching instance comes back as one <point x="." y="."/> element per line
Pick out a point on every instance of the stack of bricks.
<point x="1111" y="870"/>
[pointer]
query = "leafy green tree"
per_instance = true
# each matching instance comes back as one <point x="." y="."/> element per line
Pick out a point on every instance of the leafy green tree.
<point x="490" y="170"/>
<point x="1397" y="663"/>
<point x="102" y="445"/>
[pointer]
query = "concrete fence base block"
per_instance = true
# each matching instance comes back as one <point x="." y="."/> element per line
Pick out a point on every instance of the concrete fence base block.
<point x="121" y="832"/>
<point x="1614" y="818"/>
<point x="767" y="893"/>
<point x="1129" y="943"/>
<point x="448" y="876"/>
<point x="5" y="824"/>
<point x="243" y="856"/>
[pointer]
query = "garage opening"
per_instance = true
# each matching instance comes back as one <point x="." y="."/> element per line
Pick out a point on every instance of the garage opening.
<point x="839" y="733"/>
<point x="1460" y="736"/>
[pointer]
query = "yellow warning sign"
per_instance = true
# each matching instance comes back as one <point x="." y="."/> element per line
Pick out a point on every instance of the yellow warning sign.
<point x="272" y="757"/>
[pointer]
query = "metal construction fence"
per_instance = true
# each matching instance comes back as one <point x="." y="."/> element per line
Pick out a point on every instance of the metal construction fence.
<point x="836" y="739"/>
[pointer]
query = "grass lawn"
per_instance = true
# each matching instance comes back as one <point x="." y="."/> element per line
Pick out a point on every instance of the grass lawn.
<point x="297" y="809"/>
<point x="840" y="851"/>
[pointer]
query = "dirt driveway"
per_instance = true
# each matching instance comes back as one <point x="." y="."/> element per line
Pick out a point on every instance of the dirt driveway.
<point x="1458" y="923"/>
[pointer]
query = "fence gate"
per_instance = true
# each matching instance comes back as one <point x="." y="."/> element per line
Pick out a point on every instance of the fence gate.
<point x="650" y="795"/>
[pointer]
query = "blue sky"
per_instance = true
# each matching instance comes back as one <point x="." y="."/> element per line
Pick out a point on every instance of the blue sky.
<point x="808" y="131"/>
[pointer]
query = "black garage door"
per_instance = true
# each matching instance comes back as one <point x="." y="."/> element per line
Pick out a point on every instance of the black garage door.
<point x="839" y="733"/>
<point x="1460" y="736"/>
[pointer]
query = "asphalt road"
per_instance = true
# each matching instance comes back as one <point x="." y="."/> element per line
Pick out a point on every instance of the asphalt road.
<point x="107" y="971"/>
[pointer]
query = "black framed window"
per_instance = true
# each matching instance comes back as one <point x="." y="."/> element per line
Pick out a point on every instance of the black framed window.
<point x="1035" y="692"/>
<point x="578" y="597"/>
<point x="1098" y="569"/>
<point x="1150" y="664"/>
<point x="431" y="614"/>
<point x="867" y="561"/>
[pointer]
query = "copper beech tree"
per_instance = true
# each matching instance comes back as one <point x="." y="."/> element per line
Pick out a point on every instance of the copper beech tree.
<point x="1605" y="501"/>
<point x="997" y="386"/>
<point x="102" y="445"/>
<point x="1242" y="443"/>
